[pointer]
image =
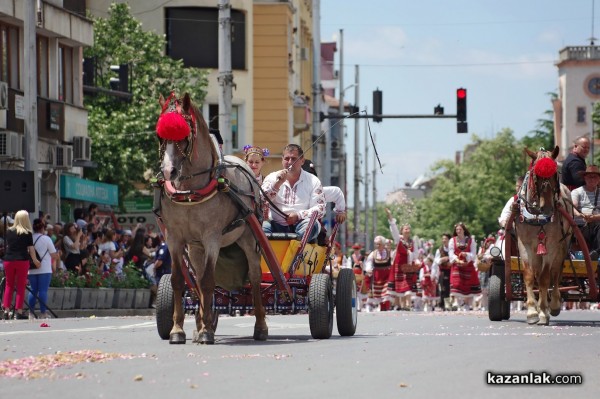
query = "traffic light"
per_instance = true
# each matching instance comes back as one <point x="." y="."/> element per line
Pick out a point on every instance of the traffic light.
<point x="122" y="82"/>
<point x="461" y="111"/>
<point x="89" y="71"/>
<point x="377" y="105"/>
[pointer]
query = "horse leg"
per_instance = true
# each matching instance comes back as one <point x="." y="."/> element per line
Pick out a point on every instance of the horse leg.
<point x="532" y="311"/>
<point x="177" y="334"/>
<point x="544" y="283"/>
<point x="555" y="303"/>
<point x="248" y="244"/>
<point x="204" y="266"/>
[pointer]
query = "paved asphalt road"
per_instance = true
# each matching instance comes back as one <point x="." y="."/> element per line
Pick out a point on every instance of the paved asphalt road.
<point x="393" y="355"/>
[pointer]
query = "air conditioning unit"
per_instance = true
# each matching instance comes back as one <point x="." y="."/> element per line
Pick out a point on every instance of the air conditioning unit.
<point x="63" y="157"/>
<point x="3" y="95"/>
<point x="82" y="148"/>
<point x="11" y="145"/>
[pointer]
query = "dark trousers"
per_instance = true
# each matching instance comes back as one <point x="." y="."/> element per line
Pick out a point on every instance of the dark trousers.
<point x="444" y="286"/>
<point x="591" y="233"/>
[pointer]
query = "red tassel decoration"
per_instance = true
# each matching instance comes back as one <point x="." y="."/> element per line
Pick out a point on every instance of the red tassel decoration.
<point x="172" y="126"/>
<point x="545" y="168"/>
<point x="541" y="248"/>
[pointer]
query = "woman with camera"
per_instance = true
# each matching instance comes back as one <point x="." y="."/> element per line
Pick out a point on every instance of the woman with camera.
<point x="72" y="245"/>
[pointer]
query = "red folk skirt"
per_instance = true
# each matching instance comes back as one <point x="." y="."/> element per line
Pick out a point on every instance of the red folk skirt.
<point x="378" y="282"/>
<point x="464" y="280"/>
<point x="401" y="282"/>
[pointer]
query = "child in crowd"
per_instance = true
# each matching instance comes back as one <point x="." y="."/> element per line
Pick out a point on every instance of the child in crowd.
<point x="428" y="278"/>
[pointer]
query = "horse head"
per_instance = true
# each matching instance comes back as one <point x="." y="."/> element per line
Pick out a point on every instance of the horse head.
<point x="543" y="188"/>
<point x="179" y="129"/>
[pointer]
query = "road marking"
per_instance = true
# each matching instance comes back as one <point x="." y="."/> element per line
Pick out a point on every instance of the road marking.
<point x="88" y="329"/>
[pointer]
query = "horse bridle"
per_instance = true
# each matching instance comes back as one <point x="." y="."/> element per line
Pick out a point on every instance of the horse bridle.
<point x="171" y="105"/>
<point x="543" y="182"/>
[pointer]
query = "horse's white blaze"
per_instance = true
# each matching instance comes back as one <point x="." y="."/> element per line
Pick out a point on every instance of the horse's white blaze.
<point x="167" y="162"/>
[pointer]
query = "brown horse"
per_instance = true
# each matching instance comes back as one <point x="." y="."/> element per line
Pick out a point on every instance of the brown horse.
<point x="543" y="234"/>
<point x="200" y="216"/>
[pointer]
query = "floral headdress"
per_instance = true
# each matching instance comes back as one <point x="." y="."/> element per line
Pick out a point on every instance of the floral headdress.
<point x="263" y="152"/>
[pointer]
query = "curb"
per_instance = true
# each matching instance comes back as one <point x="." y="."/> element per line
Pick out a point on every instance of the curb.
<point x="62" y="314"/>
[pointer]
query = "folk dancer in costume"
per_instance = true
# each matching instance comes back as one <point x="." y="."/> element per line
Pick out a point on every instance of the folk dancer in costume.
<point x="464" y="283"/>
<point x="428" y="278"/>
<point x="442" y="262"/>
<point x="377" y="267"/>
<point x="356" y="262"/>
<point x="403" y="282"/>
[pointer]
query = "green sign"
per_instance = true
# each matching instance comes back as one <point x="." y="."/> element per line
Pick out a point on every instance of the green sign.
<point x="87" y="190"/>
<point x="140" y="204"/>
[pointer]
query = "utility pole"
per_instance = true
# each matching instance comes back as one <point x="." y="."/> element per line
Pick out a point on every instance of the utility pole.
<point x="374" y="191"/>
<point x="30" y="94"/>
<point x="225" y="77"/>
<point x="368" y="241"/>
<point x="356" y="161"/>
<point x="316" y="83"/>
<point x="342" y="160"/>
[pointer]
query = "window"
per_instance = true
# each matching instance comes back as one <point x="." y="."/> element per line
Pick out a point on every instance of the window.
<point x="42" y="66"/>
<point x="193" y="36"/>
<point x="9" y="55"/>
<point x="65" y="74"/>
<point x="213" y="123"/>
<point x="580" y="114"/>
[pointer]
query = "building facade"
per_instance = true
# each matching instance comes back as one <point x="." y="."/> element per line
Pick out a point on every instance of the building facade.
<point x="578" y="91"/>
<point x="63" y="147"/>
<point x="271" y="62"/>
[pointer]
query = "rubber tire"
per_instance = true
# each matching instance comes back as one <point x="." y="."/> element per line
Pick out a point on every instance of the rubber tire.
<point x="164" y="307"/>
<point x="346" y="311"/>
<point x="495" y="301"/>
<point x="505" y="310"/>
<point x="320" y="306"/>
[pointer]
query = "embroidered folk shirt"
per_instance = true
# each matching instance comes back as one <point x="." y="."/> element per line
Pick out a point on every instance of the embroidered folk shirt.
<point x="305" y="197"/>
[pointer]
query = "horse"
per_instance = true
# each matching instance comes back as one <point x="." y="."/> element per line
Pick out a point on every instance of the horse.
<point x="199" y="214"/>
<point x="543" y="234"/>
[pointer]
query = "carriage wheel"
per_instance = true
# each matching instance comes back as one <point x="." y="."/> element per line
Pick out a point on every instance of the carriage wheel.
<point x="505" y="310"/>
<point x="346" y="302"/>
<point x="495" y="299"/>
<point x="164" y="307"/>
<point x="320" y="306"/>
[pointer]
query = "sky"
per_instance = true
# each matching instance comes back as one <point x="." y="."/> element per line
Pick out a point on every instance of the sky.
<point x="419" y="52"/>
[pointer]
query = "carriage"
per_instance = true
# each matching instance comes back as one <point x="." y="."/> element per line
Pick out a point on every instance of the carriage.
<point x="544" y="256"/>
<point x="209" y="208"/>
<point x="310" y="283"/>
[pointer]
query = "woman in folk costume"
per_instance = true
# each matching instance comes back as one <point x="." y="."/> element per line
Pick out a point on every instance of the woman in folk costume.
<point x="255" y="158"/>
<point x="442" y="262"/>
<point x="377" y="266"/>
<point x="428" y="278"/>
<point x="404" y="273"/>
<point x="464" y="282"/>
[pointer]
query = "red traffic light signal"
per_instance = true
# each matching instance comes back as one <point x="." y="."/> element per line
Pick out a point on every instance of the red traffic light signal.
<point x="461" y="110"/>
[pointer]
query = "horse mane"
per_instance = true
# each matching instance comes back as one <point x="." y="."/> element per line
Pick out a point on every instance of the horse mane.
<point x="202" y="128"/>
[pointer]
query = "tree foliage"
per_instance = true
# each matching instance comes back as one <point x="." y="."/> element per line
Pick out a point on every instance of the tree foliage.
<point x="472" y="192"/>
<point x="122" y="132"/>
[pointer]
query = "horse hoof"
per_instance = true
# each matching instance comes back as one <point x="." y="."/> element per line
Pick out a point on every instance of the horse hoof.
<point x="554" y="312"/>
<point x="533" y="319"/>
<point x="207" y="338"/>
<point x="544" y="321"/>
<point x="177" y="338"/>
<point x="261" y="335"/>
